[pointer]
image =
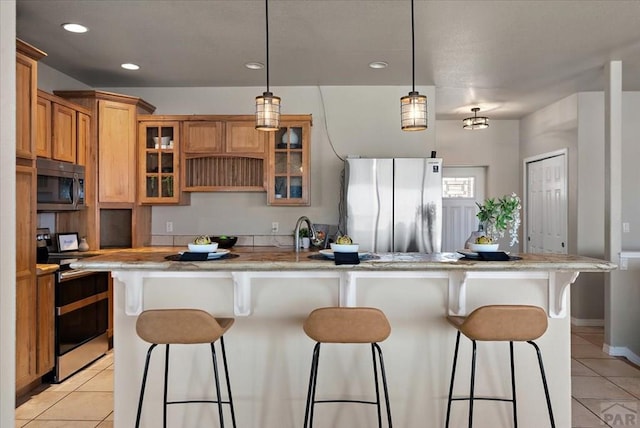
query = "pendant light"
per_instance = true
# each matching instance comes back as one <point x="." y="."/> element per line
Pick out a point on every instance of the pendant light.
<point x="413" y="107"/>
<point x="267" y="104"/>
<point x="475" y="122"/>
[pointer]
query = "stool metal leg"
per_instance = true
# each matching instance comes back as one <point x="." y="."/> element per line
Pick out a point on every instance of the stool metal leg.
<point x="166" y="386"/>
<point x="144" y="383"/>
<point x="473" y="381"/>
<point x="375" y="380"/>
<point x="453" y="376"/>
<point x="217" y="384"/>
<point x="226" y="371"/>
<point x="513" y="386"/>
<point x="544" y="383"/>
<point x="384" y="384"/>
<point x="311" y="393"/>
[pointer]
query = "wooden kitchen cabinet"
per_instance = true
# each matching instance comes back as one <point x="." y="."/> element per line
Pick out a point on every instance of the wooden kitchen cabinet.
<point x="242" y="138"/>
<point x="222" y="153"/>
<point x="117" y="152"/>
<point x="43" y="128"/>
<point x="26" y="371"/>
<point x="64" y="130"/>
<point x="27" y="58"/>
<point x="203" y="136"/>
<point x="159" y="179"/>
<point x="111" y="168"/>
<point x="25" y="200"/>
<point x="83" y="138"/>
<point x="288" y="172"/>
<point x="45" y="328"/>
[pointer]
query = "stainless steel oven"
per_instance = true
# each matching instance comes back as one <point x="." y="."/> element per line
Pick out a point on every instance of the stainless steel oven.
<point x="82" y="316"/>
<point x="81" y="308"/>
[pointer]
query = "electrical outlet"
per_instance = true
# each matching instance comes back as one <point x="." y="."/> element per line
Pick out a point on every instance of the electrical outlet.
<point x="625" y="227"/>
<point x="275" y="226"/>
<point x="169" y="226"/>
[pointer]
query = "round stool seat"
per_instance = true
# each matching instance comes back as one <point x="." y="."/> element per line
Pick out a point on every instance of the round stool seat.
<point x="347" y="325"/>
<point x="511" y="323"/>
<point x="180" y="326"/>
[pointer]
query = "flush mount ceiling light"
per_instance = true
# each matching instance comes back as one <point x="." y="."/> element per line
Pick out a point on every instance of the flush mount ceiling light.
<point x="413" y="107"/>
<point x="74" y="28"/>
<point x="267" y="105"/>
<point x="254" y="65"/>
<point x="378" y="65"/>
<point x="130" y="66"/>
<point x="475" y="122"/>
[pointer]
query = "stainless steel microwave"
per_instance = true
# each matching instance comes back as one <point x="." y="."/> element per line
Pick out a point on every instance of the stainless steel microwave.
<point x="60" y="186"/>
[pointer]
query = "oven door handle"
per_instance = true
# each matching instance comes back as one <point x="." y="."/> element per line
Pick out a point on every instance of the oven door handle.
<point x="68" y="275"/>
<point x="62" y="310"/>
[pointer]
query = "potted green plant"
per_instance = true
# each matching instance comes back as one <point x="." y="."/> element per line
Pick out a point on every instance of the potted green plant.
<point x="496" y="216"/>
<point x="305" y="241"/>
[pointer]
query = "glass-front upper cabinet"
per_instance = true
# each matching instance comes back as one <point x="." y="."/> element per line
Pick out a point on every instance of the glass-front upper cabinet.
<point x="159" y="155"/>
<point x="289" y="164"/>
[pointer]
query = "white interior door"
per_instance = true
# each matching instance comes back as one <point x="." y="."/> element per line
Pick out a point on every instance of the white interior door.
<point x="547" y="205"/>
<point x="462" y="187"/>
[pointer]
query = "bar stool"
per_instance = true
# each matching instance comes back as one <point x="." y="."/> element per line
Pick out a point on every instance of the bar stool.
<point x="184" y="326"/>
<point x="500" y="323"/>
<point x="347" y="325"/>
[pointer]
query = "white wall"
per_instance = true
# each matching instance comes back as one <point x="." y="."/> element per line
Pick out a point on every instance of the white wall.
<point x="576" y="123"/>
<point x="50" y="79"/>
<point x="7" y="212"/>
<point x="625" y="285"/>
<point x="497" y="148"/>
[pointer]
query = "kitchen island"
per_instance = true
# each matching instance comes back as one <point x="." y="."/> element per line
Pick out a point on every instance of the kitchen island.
<point x="271" y="290"/>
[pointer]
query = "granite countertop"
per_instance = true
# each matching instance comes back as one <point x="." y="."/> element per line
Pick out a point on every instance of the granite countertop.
<point x="285" y="259"/>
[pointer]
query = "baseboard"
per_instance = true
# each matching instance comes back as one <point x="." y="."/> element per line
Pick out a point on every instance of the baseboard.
<point x="622" y="351"/>
<point x="579" y="322"/>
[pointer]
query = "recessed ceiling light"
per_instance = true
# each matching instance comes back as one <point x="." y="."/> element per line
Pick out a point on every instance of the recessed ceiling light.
<point x="75" y="28"/>
<point x="130" y="66"/>
<point x="254" y="65"/>
<point x="378" y="64"/>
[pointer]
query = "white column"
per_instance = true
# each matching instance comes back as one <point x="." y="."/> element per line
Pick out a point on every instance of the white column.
<point x="7" y="211"/>
<point x="613" y="191"/>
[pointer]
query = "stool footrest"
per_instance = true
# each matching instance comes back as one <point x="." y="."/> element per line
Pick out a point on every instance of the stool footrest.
<point x="198" y="401"/>
<point x="345" y="401"/>
<point x="510" y="400"/>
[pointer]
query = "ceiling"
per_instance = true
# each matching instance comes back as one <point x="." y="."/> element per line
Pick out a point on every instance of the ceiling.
<point x="508" y="57"/>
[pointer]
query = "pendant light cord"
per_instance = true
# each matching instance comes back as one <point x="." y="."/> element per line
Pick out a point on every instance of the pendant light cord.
<point x="413" y="53"/>
<point x="266" y="7"/>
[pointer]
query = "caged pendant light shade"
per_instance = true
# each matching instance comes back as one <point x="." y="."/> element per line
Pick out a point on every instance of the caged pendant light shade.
<point x="267" y="104"/>
<point x="413" y="107"/>
<point x="475" y="122"/>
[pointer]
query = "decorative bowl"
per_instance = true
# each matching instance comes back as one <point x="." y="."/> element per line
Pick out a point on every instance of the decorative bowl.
<point x="203" y="248"/>
<point x="224" y="241"/>
<point x="345" y="248"/>
<point x="483" y="247"/>
<point x="162" y="140"/>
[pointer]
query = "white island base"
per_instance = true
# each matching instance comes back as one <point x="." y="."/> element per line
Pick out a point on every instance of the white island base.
<point x="270" y="356"/>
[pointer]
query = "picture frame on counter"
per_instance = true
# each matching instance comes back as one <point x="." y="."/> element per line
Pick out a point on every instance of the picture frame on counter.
<point x="68" y="241"/>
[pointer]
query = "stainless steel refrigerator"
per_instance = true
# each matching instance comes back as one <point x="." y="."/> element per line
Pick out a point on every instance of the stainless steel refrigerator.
<point x="394" y="204"/>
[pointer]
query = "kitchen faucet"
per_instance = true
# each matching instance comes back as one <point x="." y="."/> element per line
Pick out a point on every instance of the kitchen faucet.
<point x="296" y="233"/>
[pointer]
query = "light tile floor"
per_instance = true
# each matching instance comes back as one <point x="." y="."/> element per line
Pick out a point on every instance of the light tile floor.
<point x="84" y="400"/>
<point x="604" y="389"/>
